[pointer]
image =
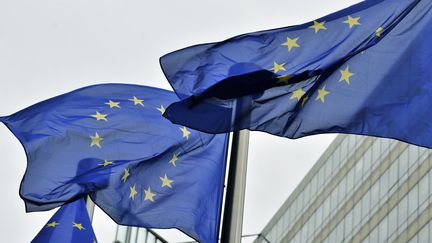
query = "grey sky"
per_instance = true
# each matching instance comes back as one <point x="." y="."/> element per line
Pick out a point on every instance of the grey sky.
<point x="49" y="47"/>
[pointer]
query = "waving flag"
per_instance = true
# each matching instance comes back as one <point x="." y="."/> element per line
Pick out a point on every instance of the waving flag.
<point x="111" y="141"/>
<point x="70" y="224"/>
<point x="364" y="70"/>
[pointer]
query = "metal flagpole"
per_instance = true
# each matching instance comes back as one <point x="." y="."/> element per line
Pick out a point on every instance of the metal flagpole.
<point x="235" y="194"/>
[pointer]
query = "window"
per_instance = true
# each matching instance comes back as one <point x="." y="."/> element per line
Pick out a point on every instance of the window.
<point x="412" y="202"/>
<point x="424" y="189"/>
<point x="402" y="212"/>
<point x="392" y="221"/>
<point x="375" y="194"/>
<point x="382" y="230"/>
<point x="423" y="235"/>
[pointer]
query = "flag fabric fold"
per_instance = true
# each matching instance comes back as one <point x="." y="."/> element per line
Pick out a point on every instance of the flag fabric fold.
<point x="363" y="70"/>
<point x="70" y="224"/>
<point x="111" y="142"/>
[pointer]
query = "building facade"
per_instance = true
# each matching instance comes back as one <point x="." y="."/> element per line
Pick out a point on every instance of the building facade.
<point x="127" y="234"/>
<point x="362" y="189"/>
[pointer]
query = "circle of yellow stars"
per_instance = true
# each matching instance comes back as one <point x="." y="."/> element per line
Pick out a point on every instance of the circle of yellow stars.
<point x="292" y="42"/>
<point x="96" y="141"/>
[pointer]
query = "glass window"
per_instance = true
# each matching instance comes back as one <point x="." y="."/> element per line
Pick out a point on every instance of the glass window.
<point x="344" y="148"/>
<point x="142" y="234"/>
<point x="151" y="238"/>
<point x="365" y="205"/>
<point x="415" y="240"/>
<point x="357" y="214"/>
<point x="367" y="160"/>
<point x="413" y="200"/>
<point x="413" y="152"/>
<point x="272" y="235"/>
<point x="335" y="158"/>
<point x="332" y="237"/>
<point x="392" y="221"/>
<point x="327" y="171"/>
<point x="423" y="235"/>
<point x="382" y="230"/>
<point x="319" y="215"/>
<point x="307" y="195"/>
<point x="279" y="228"/>
<point x="341" y="188"/>
<point x="333" y="200"/>
<point x="402" y="211"/>
<point x="314" y="185"/>
<point x="348" y="223"/>
<point x="393" y="175"/>
<point x="133" y="235"/>
<point x="321" y="178"/>
<point x="350" y="180"/>
<point x="373" y="237"/>
<point x="121" y="233"/>
<point x="375" y="194"/>
<point x="424" y="188"/>
<point x="340" y="233"/>
<point x="403" y="163"/>
<point x="326" y="208"/>
<point x="292" y="215"/>
<point x="384" y="187"/>
<point x="285" y="219"/>
<point x="376" y="152"/>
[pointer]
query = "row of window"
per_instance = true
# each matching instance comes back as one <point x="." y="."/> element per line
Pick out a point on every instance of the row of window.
<point x="328" y="169"/>
<point x="126" y="234"/>
<point x="378" y="194"/>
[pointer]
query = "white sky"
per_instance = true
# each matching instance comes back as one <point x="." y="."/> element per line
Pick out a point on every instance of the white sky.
<point x="49" y="47"/>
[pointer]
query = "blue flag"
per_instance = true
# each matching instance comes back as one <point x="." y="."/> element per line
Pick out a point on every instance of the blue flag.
<point x="111" y="141"/>
<point x="70" y="224"/>
<point x="364" y="70"/>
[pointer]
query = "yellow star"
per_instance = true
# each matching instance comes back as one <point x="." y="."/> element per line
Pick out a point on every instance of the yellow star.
<point x="284" y="79"/>
<point x="100" y="116"/>
<point x="297" y="94"/>
<point x="125" y="175"/>
<point x="173" y="160"/>
<point x="137" y="101"/>
<point x="278" y="67"/>
<point x="321" y="94"/>
<point x="161" y="109"/>
<point x="94" y="241"/>
<point x="113" y="104"/>
<point x="133" y="192"/>
<point x="304" y="100"/>
<point x="95" y="140"/>
<point x="106" y="163"/>
<point x="352" y="21"/>
<point x="52" y="224"/>
<point x="291" y="43"/>
<point x="78" y="226"/>
<point x="149" y="195"/>
<point x="345" y="75"/>
<point x="379" y="31"/>
<point x="166" y="182"/>
<point x="186" y="132"/>
<point x="317" y="26"/>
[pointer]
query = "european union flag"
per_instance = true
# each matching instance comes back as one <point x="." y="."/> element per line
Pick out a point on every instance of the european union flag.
<point x="365" y="70"/>
<point x="70" y="224"/>
<point x="111" y="141"/>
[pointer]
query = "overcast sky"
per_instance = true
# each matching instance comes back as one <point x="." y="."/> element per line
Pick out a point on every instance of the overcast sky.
<point x="49" y="47"/>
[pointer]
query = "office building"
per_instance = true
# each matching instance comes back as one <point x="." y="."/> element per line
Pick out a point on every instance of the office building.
<point x="362" y="189"/>
<point x="127" y="234"/>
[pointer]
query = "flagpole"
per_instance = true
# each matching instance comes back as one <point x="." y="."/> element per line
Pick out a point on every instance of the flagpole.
<point x="90" y="207"/>
<point x="235" y="194"/>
